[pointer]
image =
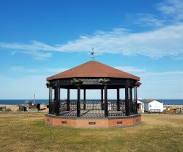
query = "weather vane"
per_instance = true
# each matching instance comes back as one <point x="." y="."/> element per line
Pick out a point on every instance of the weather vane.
<point x="92" y="54"/>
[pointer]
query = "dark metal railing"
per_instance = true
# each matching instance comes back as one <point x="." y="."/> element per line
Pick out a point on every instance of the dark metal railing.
<point x="91" y="108"/>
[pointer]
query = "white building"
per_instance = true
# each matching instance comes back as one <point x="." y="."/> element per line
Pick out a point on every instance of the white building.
<point x="140" y="106"/>
<point x="153" y="106"/>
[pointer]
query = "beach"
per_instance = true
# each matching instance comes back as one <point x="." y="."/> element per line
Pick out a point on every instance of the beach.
<point x="43" y="108"/>
<point x="15" y="108"/>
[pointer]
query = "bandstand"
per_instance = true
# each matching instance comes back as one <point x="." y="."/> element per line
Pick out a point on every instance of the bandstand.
<point x="100" y="113"/>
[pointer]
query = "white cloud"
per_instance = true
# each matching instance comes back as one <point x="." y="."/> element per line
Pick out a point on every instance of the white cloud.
<point x="22" y="69"/>
<point x="166" y="84"/>
<point x="131" y="69"/>
<point x="24" y="87"/>
<point x="36" y="49"/>
<point x="148" y="20"/>
<point x="172" y="8"/>
<point x="35" y="71"/>
<point x="30" y="81"/>
<point x="165" y="41"/>
<point x="170" y="12"/>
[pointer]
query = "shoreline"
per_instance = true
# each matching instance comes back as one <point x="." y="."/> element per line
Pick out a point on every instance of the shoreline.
<point x="43" y="107"/>
<point x="172" y="105"/>
<point x="15" y="107"/>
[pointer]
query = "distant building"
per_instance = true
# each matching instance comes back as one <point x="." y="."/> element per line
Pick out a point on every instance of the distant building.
<point x="151" y="105"/>
<point x="140" y="106"/>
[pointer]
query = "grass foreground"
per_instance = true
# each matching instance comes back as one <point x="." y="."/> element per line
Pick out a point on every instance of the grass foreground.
<point x="27" y="132"/>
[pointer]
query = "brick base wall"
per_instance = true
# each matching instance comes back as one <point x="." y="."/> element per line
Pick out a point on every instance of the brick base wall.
<point x="93" y="123"/>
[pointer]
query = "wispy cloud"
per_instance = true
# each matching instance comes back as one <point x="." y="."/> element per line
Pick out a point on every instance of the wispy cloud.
<point x="148" y="20"/>
<point x="157" y="43"/>
<point x="35" y="71"/>
<point x="152" y="83"/>
<point x="173" y="9"/>
<point x="131" y="69"/>
<point x="15" y="88"/>
<point x="36" y="49"/>
<point x="164" y="40"/>
<point x="170" y="12"/>
<point x="22" y="69"/>
<point x="161" y="85"/>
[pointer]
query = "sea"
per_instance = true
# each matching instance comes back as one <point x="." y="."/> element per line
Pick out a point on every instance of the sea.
<point x="45" y="101"/>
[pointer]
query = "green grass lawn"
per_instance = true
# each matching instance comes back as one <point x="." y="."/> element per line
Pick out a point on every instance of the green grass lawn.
<point x="24" y="132"/>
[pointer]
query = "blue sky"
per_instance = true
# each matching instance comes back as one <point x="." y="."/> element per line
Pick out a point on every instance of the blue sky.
<point x="41" y="38"/>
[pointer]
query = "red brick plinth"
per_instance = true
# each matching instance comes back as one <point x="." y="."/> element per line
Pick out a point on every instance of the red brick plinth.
<point x="125" y="121"/>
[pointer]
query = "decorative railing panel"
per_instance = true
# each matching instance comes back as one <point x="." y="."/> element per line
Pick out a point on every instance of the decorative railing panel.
<point x="133" y="107"/>
<point x="91" y="108"/>
<point x="51" y="107"/>
<point x="112" y="108"/>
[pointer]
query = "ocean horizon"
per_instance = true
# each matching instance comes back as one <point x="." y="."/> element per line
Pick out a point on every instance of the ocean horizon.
<point x="45" y="101"/>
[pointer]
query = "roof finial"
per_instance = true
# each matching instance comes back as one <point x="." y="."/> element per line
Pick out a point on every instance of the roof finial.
<point x="92" y="54"/>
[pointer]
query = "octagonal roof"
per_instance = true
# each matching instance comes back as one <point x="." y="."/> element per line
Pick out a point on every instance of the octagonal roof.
<point x="93" y="69"/>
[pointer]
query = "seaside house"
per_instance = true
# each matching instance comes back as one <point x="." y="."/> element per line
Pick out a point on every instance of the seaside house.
<point x="151" y="105"/>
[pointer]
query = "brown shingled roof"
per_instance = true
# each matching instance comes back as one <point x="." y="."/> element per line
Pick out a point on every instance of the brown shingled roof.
<point x="93" y="69"/>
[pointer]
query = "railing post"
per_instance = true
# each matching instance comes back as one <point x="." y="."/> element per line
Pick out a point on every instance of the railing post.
<point x="105" y="101"/>
<point x="57" y="100"/>
<point x="84" y="99"/>
<point x="127" y="101"/>
<point x="50" y="100"/>
<point x="136" y="98"/>
<point x="118" y="99"/>
<point x="102" y="99"/>
<point x="131" y="101"/>
<point x="68" y="99"/>
<point x="78" y="101"/>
